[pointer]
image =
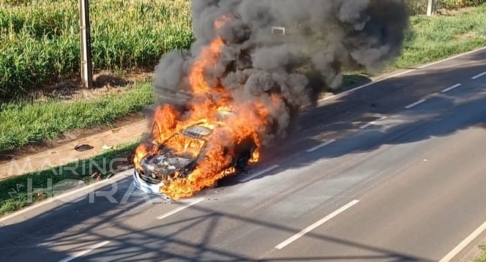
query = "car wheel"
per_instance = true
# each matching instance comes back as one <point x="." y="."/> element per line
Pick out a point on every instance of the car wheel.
<point x="242" y="162"/>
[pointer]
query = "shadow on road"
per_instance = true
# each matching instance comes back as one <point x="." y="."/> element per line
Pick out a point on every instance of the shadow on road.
<point x="443" y="114"/>
<point x="157" y="241"/>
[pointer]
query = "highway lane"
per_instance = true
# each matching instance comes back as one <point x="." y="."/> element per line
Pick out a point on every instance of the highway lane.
<point x="252" y="219"/>
<point x="385" y="96"/>
<point x="342" y="116"/>
<point x="247" y="220"/>
<point x="431" y="201"/>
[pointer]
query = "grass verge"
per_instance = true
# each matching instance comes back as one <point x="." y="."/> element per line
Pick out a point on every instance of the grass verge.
<point x="14" y="193"/>
<point x="26" y="123"/>
<point x="483" y="257"/>
<point x="434" y="38"/>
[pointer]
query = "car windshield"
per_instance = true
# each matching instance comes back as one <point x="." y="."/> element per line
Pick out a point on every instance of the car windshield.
<point x="184" y="146"/>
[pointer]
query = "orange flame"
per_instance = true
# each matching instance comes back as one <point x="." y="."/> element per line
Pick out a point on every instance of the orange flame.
<point x="208" y="58"/>
<point x="252" y="118"/>
<point x="141" y="151"/>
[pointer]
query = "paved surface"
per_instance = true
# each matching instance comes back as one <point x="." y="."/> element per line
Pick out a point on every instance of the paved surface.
<point x="391" y="172"/>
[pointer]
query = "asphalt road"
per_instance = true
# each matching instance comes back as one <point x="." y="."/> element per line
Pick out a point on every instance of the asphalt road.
<point x="390" y="172"/>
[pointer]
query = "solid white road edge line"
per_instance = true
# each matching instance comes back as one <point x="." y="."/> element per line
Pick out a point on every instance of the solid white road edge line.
<point x="246" y="179"/>
<point x="478" y="76"/>
<point x="363" y="86"/>
<point x="316" y="224"/>
<point x="464" y="243"/>
<point x="84" y="252"/>
<point x="177" y="210"/>
<point x="321" y="145"/>
<point x="450" y="88"/>
<point x="452" y="57"/>
<point x="415" y="104"/>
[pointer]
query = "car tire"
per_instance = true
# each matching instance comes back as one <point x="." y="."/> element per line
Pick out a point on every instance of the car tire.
<point x="242" y="162"/>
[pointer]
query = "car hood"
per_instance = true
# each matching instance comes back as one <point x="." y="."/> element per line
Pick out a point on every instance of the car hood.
<point x="165" y="164"/>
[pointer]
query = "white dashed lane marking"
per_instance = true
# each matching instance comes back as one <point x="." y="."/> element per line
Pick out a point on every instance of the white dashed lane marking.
<point x="415" y="104"/>
<point x="478" y="76"/>
<point x="84" y="252"/>
<point x="451" y="88"/>
<point x="321" y="145"/>
<point x="316" y="224"/>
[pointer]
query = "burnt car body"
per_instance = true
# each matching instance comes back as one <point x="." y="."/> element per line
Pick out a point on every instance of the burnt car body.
<point x="168" y="165"/>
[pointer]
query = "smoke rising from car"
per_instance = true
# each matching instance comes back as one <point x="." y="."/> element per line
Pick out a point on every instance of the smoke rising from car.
<point x="312" y="42"/>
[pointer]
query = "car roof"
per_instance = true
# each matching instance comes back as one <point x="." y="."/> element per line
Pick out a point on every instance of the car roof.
<point x="197" y="131"/>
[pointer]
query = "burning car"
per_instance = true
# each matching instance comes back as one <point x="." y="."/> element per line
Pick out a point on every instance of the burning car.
<point x="263" y="77"/>
<point x="170" y="162"/>
<point x="202" y="130"/>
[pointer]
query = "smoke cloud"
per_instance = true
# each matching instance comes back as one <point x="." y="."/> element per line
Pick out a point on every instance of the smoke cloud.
<point x="322" y="37"/>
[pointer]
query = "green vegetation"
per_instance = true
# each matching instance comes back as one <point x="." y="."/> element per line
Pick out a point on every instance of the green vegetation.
<point x="25" y="123"/>
<point x="438" y="37"/>
<point x="14" y="193"/>
<point x="433" y="38"/>
<point x="418" y="7"/>
<point x="39" y="40"/>
<point x="483" y="257"/>
<point x="454" y="4"/>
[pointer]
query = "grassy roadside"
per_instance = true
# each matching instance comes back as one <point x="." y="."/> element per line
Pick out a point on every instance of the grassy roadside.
<point x="434" y="38"/>
<point x="14" y="193"/>
<point x="25" y="123"/>
<point x="483" y="257"/>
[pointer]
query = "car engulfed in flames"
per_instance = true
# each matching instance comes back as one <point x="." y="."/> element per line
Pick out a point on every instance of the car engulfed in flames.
<point x="211" y="135"/>
<point x="178" y="157"/>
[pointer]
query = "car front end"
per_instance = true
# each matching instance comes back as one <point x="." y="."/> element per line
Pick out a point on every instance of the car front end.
<point x="144" y="186"/>
<point x="157" y="170"/>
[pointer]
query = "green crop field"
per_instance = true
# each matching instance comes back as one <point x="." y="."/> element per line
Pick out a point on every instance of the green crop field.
<point x="39" y="40"/>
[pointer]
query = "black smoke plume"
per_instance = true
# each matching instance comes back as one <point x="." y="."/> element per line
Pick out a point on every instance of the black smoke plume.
<point x="296" y="48"/>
